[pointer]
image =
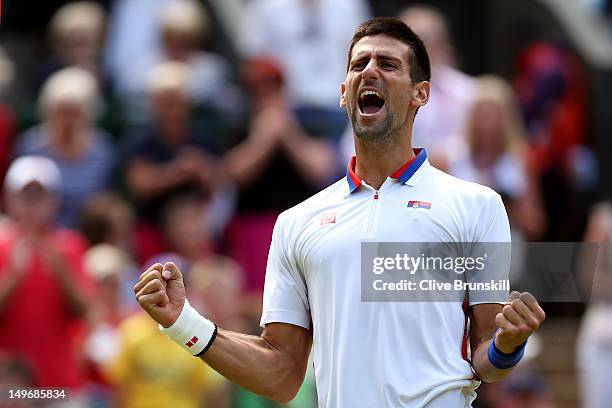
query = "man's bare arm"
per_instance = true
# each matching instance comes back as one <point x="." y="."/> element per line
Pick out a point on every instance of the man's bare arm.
<point x="482" y="328"/>
<point x="272" y="365"/>
<point x="514" y="323"/>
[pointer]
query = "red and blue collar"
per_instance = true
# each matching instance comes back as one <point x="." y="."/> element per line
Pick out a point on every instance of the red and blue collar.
<point x="402" y="174"/>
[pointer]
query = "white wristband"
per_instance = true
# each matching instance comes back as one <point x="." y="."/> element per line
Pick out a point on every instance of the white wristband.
<point x="191" y="331"/>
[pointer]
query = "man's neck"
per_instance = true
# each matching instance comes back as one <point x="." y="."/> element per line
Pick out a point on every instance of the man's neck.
<point x="377" y="161"/>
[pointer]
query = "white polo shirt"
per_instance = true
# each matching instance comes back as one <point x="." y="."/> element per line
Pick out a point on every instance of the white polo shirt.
<point x="379" y="354"/>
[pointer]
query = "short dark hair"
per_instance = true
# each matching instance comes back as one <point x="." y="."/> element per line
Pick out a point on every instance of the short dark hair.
<point x="420" y="67"/>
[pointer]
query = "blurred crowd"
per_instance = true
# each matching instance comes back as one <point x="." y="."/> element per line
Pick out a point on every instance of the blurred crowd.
<point x="138" y="144"/>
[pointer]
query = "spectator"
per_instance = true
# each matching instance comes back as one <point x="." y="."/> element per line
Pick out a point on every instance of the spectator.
<point x="185" y="228"/>
<point x="309" y="39"/>
<point x="112" y="270"/>
<point x="277" y="165"/>
<point x="151" y="371"/>
<point x="83" y="153"/>
<point x="132" y="30"/>
<point x="551" y="84"/>
<point x="452" y="91"/>
<point x="108" y="219"/>
<point x="182" y="27"/>
<point x="496" y="155"/>
<point x="216" y="285"/>
<point x="110" y="267"/>
<point x="42" y="281"/>
<point x="77" y="36"/>
<point x="594" y="345"/>
<point x="171" y="157"/>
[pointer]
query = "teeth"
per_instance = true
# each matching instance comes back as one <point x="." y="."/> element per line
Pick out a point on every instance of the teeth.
<point x="366" y="93"/>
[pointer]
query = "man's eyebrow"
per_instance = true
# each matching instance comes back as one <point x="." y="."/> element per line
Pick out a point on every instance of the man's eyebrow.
<point x="357" y="58"/>
<point x="388" y="57"/>
<point x="379" y="55"/>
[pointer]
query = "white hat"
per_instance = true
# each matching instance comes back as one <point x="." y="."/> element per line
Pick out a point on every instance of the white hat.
<point x="29" y="169"/>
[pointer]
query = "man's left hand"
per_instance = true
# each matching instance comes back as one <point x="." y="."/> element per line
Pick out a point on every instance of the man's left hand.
<point x="518" y="320"/>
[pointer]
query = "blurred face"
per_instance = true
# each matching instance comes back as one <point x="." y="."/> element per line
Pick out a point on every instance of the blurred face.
<point x="221" y="296"/>
<point x="122" y="225"/>
<point x="218" y="296"/>
<point x="432" y="30"/>
<point x="81" y="47"/>
<point x="488" y="126"/>
<point x="378" y="94"/>
<point x="66" y="118"/>
<point x="178" y="45"/>
<point x="109" y="288"/>
<point x="32" y="207"/>
<point x="185" y="230"/>
<point x="171" y="108"/>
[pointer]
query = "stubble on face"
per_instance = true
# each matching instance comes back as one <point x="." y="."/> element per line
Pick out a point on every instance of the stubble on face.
<point x="384" y="134"/>
<point x="378" y="133"/>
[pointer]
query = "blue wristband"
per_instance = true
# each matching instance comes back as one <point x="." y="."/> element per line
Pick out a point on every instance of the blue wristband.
<point x="502" y="360"/>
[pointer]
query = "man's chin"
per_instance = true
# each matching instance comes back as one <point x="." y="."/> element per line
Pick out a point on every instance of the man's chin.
<point x="371" y="132"/>
<point x="371" y="129"/>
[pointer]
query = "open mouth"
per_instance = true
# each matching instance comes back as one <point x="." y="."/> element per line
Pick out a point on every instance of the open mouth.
<point x="370" y="102"/>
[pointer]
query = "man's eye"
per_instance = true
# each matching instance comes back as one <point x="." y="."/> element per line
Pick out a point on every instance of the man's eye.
<point x="358" y="66"/>
<point x="387" y="65"/>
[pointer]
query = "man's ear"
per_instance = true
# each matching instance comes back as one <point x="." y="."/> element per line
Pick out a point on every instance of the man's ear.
<point x="342" y="98"/>
<point x="420" y="93"/>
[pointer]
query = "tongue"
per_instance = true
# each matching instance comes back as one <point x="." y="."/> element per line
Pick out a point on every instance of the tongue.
<point x="371" y="109"/>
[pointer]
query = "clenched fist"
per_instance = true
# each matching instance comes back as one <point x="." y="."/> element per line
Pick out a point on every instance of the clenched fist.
<point x="517" y="321"/>
<point x="161" y="293"/>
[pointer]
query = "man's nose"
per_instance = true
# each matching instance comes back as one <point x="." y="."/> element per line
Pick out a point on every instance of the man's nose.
<point x="370" y="71"/>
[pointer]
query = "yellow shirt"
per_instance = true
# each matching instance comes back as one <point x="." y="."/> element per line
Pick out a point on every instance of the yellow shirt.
<point x="152" y="371"/>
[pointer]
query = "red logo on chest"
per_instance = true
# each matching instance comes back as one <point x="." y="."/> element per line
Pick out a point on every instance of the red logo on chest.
<point x="329" y="218"/>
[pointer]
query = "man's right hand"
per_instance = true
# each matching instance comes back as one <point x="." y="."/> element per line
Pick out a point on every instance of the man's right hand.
<point x="161" y="293"/>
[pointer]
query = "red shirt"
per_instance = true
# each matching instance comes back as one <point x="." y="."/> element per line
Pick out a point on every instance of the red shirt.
<point x="36" y="322"/>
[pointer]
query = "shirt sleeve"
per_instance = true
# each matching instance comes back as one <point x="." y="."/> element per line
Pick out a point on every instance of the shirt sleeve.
<point x="492" y="249"/>
<point x="285" y="294"/>
<point x="493" y="226"/>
